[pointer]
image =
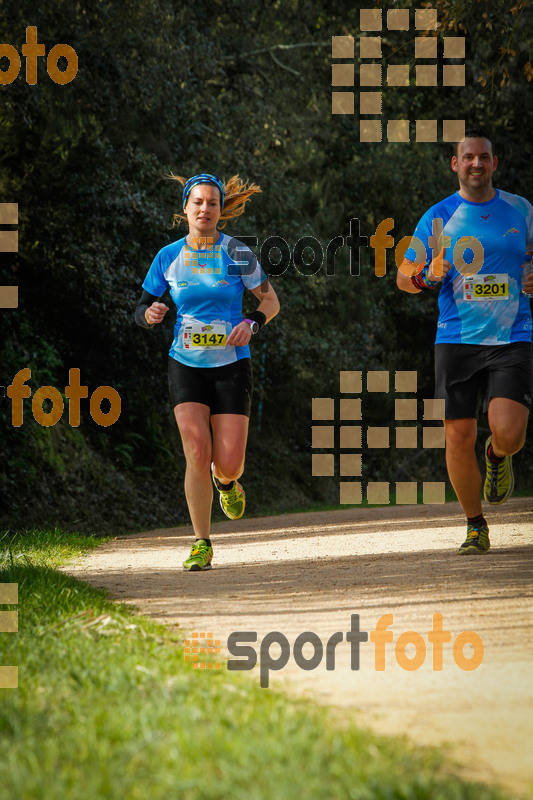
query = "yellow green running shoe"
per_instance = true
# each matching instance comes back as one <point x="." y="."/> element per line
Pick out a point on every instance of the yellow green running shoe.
<point x="200" y="557"/>
<point x="232" y="501"/>
<point x="499" y="478"/>
<point x="477" y="539"/>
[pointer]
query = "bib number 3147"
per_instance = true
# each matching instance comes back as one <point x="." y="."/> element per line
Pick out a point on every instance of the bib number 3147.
<point x="204" y="336"/>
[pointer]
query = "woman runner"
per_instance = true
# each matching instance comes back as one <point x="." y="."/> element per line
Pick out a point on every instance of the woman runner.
<point x="209" y="370"/>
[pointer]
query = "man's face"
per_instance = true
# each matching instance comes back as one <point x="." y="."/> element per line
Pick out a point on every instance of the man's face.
<point x="474" y="164"/>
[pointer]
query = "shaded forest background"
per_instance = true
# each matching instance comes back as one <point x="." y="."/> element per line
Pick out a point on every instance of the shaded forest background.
<point x="224" y="87"/>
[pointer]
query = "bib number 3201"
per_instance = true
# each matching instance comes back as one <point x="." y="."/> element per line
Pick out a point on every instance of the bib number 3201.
<point x="487" y="287"/>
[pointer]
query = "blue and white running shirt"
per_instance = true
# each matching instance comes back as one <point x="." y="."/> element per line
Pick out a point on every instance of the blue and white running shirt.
<point x="489" y="307"/>
<point x="207" y="288"/>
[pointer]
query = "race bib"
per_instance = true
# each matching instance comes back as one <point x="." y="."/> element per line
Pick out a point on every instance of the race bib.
<point x="204" y="336"/>
<point x="487" y="287"/>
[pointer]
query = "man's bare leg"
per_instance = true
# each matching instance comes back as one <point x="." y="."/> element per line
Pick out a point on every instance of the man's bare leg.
<point x="508" y="422"/>
<point x="462" y="463"/>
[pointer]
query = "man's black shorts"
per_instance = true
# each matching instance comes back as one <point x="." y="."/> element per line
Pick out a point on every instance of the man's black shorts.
<point x="464" y="371"/>
<point x="226" y="390"/>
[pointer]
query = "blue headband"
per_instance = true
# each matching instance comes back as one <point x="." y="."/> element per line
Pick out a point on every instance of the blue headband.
<point x="204" y="177"/>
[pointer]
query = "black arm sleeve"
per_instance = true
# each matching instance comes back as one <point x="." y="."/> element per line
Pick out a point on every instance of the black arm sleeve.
<point x="145" y="302"/>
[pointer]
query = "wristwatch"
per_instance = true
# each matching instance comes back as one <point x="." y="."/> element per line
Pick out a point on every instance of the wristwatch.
<point x="254" y="326"/>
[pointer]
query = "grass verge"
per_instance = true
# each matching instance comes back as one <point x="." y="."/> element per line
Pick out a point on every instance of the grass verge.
<point x="108" y="708"/>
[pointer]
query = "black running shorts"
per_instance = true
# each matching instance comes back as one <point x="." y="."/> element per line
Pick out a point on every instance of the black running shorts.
<point x="226" y="390"/>
<point x="463" y="372"/>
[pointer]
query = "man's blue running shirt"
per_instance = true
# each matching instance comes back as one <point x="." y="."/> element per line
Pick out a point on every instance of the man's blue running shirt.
<point x="504" y="226"/>
<point x="207" y="287"/>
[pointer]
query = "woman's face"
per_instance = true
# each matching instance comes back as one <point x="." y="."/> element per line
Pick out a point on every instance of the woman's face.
<point x="203" y="207"/>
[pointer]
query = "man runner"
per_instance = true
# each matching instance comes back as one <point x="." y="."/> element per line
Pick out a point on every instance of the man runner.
<point x="483" y="341"/>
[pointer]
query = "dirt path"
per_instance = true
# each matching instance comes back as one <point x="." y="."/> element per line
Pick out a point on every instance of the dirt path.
<point x="311" y="572"/>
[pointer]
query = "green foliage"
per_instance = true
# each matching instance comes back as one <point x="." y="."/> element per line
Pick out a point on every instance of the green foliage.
<point x="227" y="87"/>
